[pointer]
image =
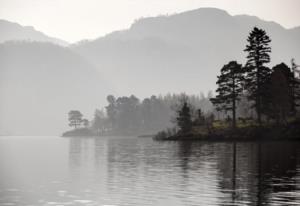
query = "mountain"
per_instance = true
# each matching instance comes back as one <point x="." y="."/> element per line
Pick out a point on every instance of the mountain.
<point x="181" y="52"/>
<point x="40" y="83"/>
<point x="10" y="31"/>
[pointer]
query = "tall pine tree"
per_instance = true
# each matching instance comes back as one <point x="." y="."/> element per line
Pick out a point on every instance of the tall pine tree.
<point x="256" y="73"/>
<point x="229" y="88"/>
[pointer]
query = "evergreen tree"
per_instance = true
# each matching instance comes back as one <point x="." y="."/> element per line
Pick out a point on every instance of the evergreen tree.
<point x="99" y="123"/>
<point x="111" y="111"/>
<point x="295" y="95"/>
<point x="280" y="94"/>
<point x="256" y="73"/>
<point x="200" y="120"/>
<point x="184" y="120"/>
<point x="229" y="88"/>
<point x="281" y="87"/>
<point x="295" y="84"/>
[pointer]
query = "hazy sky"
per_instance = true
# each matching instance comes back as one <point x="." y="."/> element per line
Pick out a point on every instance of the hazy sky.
<point x="73" y="20"/>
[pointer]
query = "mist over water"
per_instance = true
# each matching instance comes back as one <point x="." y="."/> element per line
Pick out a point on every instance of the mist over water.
<point x="140" y="171"/>
<point x="238" y="145"/>
<point x="157" y="55"/>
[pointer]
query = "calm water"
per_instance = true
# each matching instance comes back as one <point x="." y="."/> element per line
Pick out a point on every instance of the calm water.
<point x="138" y="171"/>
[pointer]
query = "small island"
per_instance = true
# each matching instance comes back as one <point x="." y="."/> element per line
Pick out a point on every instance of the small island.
<point x="76" y="121"/>
<point x="252" y="102"/>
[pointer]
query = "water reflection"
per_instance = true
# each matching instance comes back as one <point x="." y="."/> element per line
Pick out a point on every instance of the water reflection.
<point x="259" y="173"/>
<point x="277" y="170"/>
<point x="131" y="171"/>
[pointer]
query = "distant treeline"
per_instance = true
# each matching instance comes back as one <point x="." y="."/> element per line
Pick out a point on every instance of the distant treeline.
<point x="130" y="115"/>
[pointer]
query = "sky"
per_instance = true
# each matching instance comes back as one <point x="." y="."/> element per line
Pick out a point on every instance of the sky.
<point x="75" y="20"/>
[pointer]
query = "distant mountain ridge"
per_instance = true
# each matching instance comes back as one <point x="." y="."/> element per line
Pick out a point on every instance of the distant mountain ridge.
<point x="183" y="52"/>
<point x="10" y="31"/>
<point x="188" y="47"/>
<point x="40" y="83"/>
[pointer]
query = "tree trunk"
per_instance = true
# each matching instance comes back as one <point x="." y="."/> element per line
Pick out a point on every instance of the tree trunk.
<point x="233" y="104"/>
<point x="233" y="115"/>
<point x="258" y="97"/>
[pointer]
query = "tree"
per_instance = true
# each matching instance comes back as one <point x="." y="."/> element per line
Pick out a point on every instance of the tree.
<point x="85" y="123"/>
<point x="256" y="73"/>
<point x="295" y="83"/>
<point x="200" y="119"/>
<point x="99" y="122"/>
<point x="184" y="120"/>
<point x="75" y="118"/>
<point x="280" y="93"/>
<point x="127" y="114"/>
<point x="279" y="101"/>
<point x="111" y="111"/>
<point x="229" y="88"/>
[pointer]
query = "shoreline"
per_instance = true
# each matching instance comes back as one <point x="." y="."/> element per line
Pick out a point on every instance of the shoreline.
<point x="201" y="139"/>
<point x="289" y="132"/>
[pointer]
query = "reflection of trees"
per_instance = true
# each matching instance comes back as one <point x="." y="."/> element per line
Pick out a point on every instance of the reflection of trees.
<point x="276" y="170"/>
<point x="81" y="155"/>
<point x="74" y="152"/>
<point x="99" y="152"/>
<point x="252" y="171"/>
<point x="123" y="163"/>
<point x="234" y="172"/>
<point x="246" y="172"/>
<point x="192" y="154"/>
<point x="225" y="165"/>
<point x="184" y="152"/>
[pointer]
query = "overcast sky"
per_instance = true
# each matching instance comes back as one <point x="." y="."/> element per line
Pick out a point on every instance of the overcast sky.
<point x="74" y="20"/>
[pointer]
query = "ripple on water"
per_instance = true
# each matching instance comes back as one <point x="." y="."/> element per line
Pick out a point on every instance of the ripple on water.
<point x="121" y="172"/>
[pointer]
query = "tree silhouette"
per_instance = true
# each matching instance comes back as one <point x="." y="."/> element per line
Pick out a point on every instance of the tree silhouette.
<point x="200" y="119"/>
<point x="184" y="120"/>
<point x="256" y="73"/>
<point x="111" y="111"/>
<point x="279" y="97"/>
<point x="229" y="88"/>
<point x="99" y="123"/>
<point x="127" y="114"/>
<point x="75" y="118"/>
<point x="295" y="84"/>
<point x="280" y="93"/>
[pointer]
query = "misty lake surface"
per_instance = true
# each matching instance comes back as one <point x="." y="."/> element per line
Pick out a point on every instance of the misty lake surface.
<point x="139" y="171"/>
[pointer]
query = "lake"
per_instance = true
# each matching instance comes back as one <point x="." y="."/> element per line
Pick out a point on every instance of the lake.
<point x="117" y="171"/>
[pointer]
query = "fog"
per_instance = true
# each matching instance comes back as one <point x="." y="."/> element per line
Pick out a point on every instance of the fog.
<point x="42" y="81"/>
<point x="197" y="107"/>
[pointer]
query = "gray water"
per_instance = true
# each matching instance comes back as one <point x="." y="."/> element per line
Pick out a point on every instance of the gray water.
<point x="138" y="171"/>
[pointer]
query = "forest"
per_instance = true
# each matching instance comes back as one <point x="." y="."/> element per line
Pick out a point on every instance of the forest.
<point x="132" y="116"/>
<point x="250" y="97"/>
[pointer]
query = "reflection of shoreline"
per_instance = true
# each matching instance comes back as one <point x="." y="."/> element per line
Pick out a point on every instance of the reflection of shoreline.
<point x="258" y="168"/>
<point x="74" y="152"/>
<point x="234" y="173"/>
<point x="278" y="165"/>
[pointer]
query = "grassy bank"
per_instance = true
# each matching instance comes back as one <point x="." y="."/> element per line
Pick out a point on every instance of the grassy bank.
<point x="243" y="132"/>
